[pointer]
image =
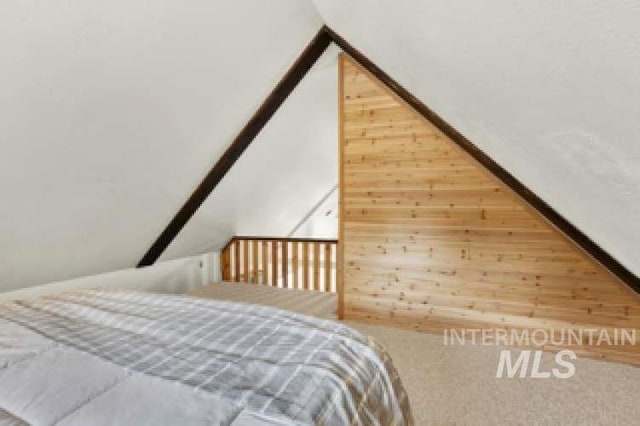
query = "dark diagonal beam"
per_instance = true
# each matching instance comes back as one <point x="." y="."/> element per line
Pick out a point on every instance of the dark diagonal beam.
<point x="270" y="105"/>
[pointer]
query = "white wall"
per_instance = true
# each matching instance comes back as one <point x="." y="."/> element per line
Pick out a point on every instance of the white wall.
<point x="549" y="89"/>
<point x="282" y="175"/>
<point x="111" y="112"/>
<point x="322" y="222"/>
<point x="175" y="276"/>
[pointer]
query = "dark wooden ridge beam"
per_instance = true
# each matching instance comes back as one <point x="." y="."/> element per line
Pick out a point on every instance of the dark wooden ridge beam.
<point x="294" y="75"/>
<point x="536" y="202"/>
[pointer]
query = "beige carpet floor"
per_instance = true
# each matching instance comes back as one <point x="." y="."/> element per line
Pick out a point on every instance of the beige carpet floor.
<point x="457" y="385"/>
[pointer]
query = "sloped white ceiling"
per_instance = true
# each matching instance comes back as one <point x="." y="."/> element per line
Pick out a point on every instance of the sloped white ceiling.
<point x="111" y="112"/>
<point x="549" y="89"/>
<point x="290" y="166"/>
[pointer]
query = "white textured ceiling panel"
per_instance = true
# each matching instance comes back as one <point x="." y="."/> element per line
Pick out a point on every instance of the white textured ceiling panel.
<point x="549" y="89"/>
<point x="111" y="112"/>
<point x="290" y="166"/>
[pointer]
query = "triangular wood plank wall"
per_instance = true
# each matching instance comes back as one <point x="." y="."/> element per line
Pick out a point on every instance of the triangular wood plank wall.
<point x="431" y="240"/>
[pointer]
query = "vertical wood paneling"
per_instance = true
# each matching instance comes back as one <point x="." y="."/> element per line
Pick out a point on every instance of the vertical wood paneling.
<point x="429" y="239"/>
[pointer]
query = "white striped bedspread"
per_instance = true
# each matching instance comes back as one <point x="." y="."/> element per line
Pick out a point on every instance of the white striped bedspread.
<point x="101" y="357"/>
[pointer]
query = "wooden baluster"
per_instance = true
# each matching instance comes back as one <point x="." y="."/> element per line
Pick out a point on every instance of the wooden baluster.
<point x="245" y="261"/>
<point x="334" y="270"/>
<point x="236" y="261"/>
<point x="327" y="267"/>
<point x="224" y="261"/>
<point x="254" y="261"/>
<point x="285" y="264"/>
<point x="265" y="262"/>
<point x="274" y="263"/>
<point x="316" y="266"/>
<point x="231" y="261"/>
<point x="248" y="260"/>
<point x="305" y="265"/>
<point x="294" y="263"/>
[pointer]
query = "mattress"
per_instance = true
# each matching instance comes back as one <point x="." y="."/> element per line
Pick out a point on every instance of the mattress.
<point x="100" y="357"/>
<point x="308" y="302"/>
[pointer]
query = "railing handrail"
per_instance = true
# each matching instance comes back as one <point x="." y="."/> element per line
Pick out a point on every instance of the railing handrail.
<point x="287" y="239"/>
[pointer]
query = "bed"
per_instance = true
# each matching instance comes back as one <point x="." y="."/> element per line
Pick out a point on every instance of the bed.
<point x="103" y="357"/>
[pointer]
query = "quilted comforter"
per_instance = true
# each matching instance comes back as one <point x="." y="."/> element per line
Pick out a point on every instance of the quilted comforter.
<point x="126" y="358"/>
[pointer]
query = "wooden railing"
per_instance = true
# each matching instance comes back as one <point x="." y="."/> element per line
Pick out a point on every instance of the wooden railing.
<point x="308" y="264"/>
